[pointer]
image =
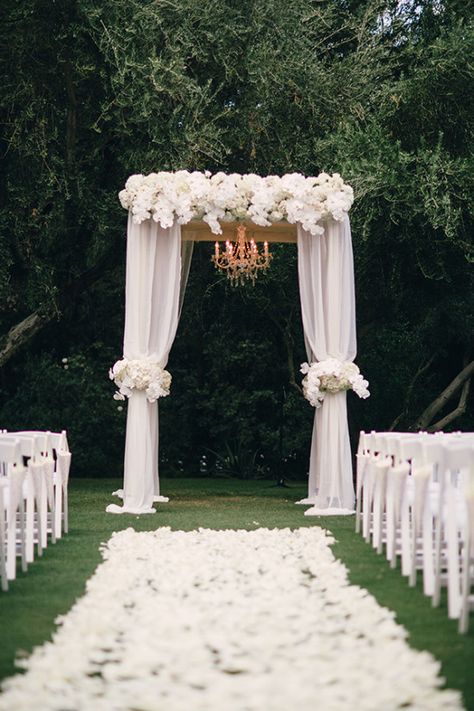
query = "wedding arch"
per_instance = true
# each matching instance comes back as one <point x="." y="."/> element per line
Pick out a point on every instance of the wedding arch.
<point x="167" y="213"/>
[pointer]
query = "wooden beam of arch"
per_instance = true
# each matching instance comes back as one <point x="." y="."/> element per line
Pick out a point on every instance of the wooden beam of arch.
<point x="199" y="231"/>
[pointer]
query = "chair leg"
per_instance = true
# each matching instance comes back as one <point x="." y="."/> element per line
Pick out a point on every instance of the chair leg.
<point x="382" y="509"/>
<point x="389" y="518"/>
<point x="358" y="513"/>
<point x="361" y="466"/>
<point x="414" y="548"/>
<point x="22" y="520"/>
<point x="52" y="505"/>
<point x="377" y="519"/>
<point x="392" y="523"/>
<point x="66" y="510"/>
<point x="39" y="526"/>
<point x="399" y="486"/>
<point x="58" y="496"/>
<point x="428" y="552"/>
<point x="64" y="464"/>
<point x="465" y="588"/>
<point x="417" y="507"/>
<point x="44" y="516"/>
<point x="453" y="558"/>
<point x="406" y="538"/>
<point x="3" y="567"/>
<point x="439" y="531"/>
<point x="30" y="526"/>
<point x="11" y="544"/>
<point x="367" y="520"/>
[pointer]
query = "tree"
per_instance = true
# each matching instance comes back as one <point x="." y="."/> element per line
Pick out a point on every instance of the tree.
<point x="380" y="91"/>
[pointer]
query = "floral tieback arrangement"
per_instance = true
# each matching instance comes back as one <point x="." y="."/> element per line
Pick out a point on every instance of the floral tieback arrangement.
<point x="140" y="374"/>
<point x="332" y="376"/>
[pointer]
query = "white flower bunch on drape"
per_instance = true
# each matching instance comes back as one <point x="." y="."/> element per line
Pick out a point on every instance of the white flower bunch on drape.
<point x="332" y="376"/>
<point x="184" y="196"/>
<point x="140" y="374"/>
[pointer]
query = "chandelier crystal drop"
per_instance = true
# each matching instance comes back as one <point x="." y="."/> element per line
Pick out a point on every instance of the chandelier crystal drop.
<point x="241" y="259"/>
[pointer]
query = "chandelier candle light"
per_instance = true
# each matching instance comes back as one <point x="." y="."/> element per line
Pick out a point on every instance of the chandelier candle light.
<point x="242" y="260"/>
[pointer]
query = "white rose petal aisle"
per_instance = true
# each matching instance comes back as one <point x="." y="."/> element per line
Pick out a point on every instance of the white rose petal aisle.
<point x="212" y="620"/>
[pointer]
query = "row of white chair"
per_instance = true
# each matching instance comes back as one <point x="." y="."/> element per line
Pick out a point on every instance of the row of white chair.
<point x="415" y="496"/>
<point x="34" y="475"/>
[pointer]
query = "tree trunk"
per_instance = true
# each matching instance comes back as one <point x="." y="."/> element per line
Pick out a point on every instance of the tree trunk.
<point x="25" y="330"/>
<point x="21" y="333"/>
<point x="457" y="412"/>
<point x="438" y="403"/>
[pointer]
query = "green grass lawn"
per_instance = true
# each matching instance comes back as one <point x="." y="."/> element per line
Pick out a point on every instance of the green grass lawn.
<point x="53" y="583"/>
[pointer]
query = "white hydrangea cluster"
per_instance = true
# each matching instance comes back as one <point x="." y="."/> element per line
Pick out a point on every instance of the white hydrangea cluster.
<point x="184" y="196"/>
<point x="140" y="374"/>
<point x="332" y="376"/>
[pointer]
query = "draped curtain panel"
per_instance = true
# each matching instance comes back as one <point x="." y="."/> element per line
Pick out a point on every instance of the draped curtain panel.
<point x="155" y="282"/>
<point x="187" y="249"/>
<point x="326" y="281"/>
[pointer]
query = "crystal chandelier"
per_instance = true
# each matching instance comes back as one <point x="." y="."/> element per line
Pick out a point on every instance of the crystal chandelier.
<point x="242" y="259"/>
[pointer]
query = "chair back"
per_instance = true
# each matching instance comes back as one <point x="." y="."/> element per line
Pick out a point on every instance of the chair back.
<point x="10" y="451"/>
<point x="59" y="441"/>
<point x="30" y="446"/>
<point x="458" y="457"/>
<point x="42" y="439"/>
<point x="411" y="448"/>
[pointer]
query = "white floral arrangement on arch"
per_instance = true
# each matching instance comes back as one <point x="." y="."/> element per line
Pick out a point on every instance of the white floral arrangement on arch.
<point x="332" y="376"/>
<point x="183" y="196"/>
<point x="140" y="374"/>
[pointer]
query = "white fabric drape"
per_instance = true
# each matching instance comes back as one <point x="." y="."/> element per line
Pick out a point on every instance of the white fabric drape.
<point x="187" y="249"/>
<point x="326" y="280"/>
<point x="152" y="305"/>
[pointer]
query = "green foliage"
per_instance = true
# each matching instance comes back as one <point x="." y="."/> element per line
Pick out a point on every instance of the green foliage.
<point x="237" y="460"/>
<point x="380" y="91"/>
<point x="230" y="373"/>
<point x="72" y="393"/>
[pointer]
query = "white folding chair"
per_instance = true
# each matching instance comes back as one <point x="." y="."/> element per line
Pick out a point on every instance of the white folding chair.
<point x="383" y="508"/>
<point x="375" y="459"/>
<point x="467" y="577"/>
<point x="396" y="476"/>
<point x="426" y="509"/>
<point x="34" y="493"/>
<point x="426" y="455"/>
<point x="362" y="458"/>
<point x="3" y="536"/>
<point x="415" y="492"/>
<point x="43" y="459"/>
<point x="429" y="506"/>
<point x="58" y="463"/>
<point x="410" y="451"/>
<point x="62" y="457"/>
<point x="368" y="485"/>
<point x="11" y="482"/>
<point x="453" y="531"/>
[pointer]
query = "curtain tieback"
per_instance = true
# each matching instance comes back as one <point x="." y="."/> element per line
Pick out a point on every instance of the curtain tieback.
<point x="143" y="374"/>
